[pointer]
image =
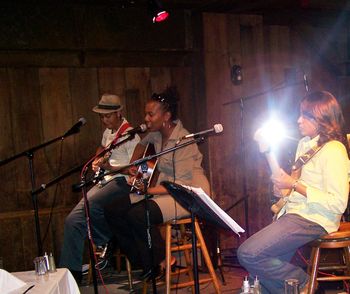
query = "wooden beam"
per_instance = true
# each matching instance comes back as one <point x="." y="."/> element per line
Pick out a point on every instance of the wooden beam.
<point x="96" y="58"/>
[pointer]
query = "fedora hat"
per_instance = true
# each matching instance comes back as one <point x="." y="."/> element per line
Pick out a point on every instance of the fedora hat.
<point x="108" y="103"/>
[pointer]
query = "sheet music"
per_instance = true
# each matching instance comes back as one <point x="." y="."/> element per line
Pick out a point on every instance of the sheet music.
<point x="216" y="209"/>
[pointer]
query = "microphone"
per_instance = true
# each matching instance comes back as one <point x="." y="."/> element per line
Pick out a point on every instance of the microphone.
<point x="75" y="128"/>
<point x="218" y="128"/>
<point x="306" y="84"/>
<point x="140" y="129"/>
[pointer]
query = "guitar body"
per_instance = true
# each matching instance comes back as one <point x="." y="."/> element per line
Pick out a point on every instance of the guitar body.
<point x="146" y="171"/>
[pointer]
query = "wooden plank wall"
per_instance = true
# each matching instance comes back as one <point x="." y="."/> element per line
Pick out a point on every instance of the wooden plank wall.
<point x="272" y="57"/>
<point x="39" y="104"/>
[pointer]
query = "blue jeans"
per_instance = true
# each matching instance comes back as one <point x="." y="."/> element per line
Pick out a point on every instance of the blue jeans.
<point x="75" y="228"/>
<point x="267" y="254"/>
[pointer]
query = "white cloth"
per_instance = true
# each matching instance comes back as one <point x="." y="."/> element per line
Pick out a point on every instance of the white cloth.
<point x="9" y="283"/>
<point x="60" y="282"/>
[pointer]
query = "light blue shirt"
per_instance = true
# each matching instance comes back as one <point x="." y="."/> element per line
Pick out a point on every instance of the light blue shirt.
<point x="326" y="177"/>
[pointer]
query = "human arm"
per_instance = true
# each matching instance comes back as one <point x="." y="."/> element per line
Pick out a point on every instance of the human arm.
<point x="284" y="182"/>
<point x="324" y="179"/>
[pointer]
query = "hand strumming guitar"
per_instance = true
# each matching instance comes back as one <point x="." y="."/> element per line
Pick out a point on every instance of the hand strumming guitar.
<point x="282" y="180"/>
<point x="284" y="183"/>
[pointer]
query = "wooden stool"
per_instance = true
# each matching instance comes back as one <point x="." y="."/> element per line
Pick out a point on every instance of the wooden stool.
<point x="336" y="240"/>
<point x="182" y="244"/>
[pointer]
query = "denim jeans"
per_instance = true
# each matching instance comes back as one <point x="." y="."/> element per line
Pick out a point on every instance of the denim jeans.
<point x="75" y="227"/>
<point x="267" y="254"/>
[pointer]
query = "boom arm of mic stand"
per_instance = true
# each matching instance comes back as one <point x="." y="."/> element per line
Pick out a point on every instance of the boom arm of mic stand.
<point x="73" y="170"/>
<point x="30" y="151"/>
<point x="147" y="158"/>
<point x="30" y="155"/>
<point x="57" y="179"/>
<point x="264" y="92"/>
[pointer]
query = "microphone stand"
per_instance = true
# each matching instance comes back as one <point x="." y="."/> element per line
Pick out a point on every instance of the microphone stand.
<point x="30" y="156"/>
<point x="83" y="184"/>
<point x="144" y="168"/>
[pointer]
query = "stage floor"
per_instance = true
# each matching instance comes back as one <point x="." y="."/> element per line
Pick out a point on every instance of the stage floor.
<point x="117" y="283"/>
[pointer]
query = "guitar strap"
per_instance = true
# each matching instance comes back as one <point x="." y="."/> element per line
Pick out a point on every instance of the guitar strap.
<point x="303" y="159"/>
<point x="101" y="171"/>
<point x="295" y="174"/>
<point x="121" y="130"/>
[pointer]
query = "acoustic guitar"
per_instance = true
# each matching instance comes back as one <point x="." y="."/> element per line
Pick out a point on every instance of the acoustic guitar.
<point x="146" y="172"/>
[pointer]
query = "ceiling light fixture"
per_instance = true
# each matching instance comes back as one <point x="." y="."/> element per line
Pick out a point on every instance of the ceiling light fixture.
<point x="157" y="11"/>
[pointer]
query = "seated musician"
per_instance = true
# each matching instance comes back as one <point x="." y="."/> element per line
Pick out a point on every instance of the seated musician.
<point x="317" y="200"/>
<point x="75" y="228"/>
<point x="182" y="166"/>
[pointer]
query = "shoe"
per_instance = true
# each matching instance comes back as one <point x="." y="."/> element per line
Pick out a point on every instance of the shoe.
<point x="172" y="263"/>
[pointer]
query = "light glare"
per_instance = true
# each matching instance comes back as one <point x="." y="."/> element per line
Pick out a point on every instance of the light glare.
<point x="270" y="135"/>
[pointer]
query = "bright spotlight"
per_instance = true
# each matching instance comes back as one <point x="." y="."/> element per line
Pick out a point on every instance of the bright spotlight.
<point x="270" y="135"/>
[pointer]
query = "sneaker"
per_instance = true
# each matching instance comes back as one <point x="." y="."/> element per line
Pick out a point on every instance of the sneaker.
<point x="85" y="269"/>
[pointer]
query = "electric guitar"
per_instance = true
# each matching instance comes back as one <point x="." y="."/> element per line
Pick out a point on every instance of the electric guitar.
<point x="146" y="172"/>
<point x="100" y="172"/>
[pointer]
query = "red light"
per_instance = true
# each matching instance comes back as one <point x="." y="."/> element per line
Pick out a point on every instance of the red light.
<point x="161" y="16"/>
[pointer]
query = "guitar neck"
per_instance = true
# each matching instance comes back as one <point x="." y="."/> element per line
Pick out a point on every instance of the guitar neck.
<point x="273" y="163"/>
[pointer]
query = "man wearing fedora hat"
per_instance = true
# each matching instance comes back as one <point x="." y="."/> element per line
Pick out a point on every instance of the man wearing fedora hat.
<point x="75" y="229"/>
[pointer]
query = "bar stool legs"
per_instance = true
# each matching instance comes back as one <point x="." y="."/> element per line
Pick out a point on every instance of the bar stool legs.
<point x="339" y="240"/>
<point x="186" y="248"/>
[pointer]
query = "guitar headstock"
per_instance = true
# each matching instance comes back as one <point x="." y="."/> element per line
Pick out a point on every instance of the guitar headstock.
<point x="260" y="138"/>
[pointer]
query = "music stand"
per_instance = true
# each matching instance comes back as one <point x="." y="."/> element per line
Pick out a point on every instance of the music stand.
<point x="203" y="207"/>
